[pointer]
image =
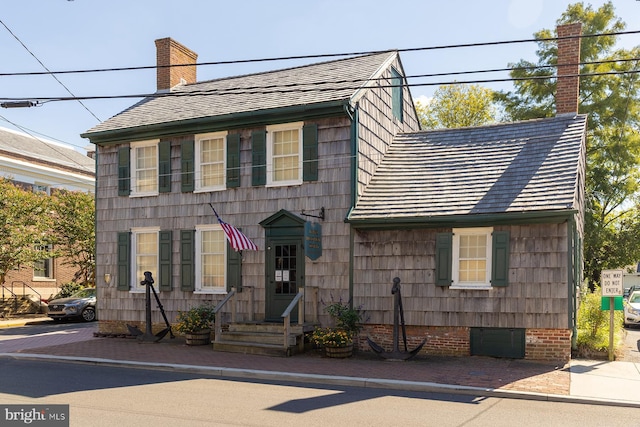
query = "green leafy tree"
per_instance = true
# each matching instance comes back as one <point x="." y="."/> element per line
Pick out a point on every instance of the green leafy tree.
<point x="74" y="231"/>
<point x="25" y="224"/>
<point x="611" y="101"/>
<point x="457" y="105"/>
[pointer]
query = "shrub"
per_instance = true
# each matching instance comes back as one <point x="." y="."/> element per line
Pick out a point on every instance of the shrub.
<point x="195" y="319"/>
<point x="593" y="323"/>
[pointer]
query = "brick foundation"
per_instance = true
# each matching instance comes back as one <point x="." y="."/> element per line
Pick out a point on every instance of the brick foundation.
<point x="548" y="344"/>
<point x="541" y="344"/>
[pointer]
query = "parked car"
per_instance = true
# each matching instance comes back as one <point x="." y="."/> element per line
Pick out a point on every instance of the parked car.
<point x="81" y="305"/>
<point x="632" y="309"/>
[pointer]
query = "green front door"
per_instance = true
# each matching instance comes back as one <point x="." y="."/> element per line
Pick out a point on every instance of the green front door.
<point x="283" y="276"/>
<point x="284" y="263"/>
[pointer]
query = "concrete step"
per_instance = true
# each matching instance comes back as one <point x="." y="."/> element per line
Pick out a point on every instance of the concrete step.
<point x="254" y="348"/>
<point x="276" y="338"/>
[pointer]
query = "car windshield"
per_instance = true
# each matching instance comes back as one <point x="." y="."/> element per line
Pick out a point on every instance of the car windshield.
<point x="85" y="293"/>
<point x="635" y="297"/>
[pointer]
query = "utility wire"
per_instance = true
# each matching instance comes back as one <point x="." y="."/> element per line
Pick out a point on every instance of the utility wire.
<point x="317" y="56"/>
<point x="48" y="71"/>
<point x="305" y="88"/>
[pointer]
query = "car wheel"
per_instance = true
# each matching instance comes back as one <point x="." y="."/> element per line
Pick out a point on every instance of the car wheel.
<point x="88" y="314"/>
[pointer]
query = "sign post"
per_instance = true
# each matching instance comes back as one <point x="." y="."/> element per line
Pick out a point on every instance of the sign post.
<point x="611" y="286"/>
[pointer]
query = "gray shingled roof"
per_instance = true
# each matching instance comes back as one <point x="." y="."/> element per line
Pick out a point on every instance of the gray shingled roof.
<point x="299" y="86"/>
<point x="505" y="168"/>
<point x="17" y="145"/>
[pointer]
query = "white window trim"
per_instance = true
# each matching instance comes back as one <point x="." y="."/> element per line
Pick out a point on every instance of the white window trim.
<point x="198" y="242"/>
<point x="198" y="168"/>
<point x="135" y="283"/>
<point x="283" y="127"/>
<point x="455" y="258"/>
<point x="133" y="169"/>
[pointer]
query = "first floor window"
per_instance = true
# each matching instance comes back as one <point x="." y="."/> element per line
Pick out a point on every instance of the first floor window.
<point x="210" y="253"/>
<point x="472" y="256"/>
<point x="144" y="245"/>
<point x="43" y="269"/>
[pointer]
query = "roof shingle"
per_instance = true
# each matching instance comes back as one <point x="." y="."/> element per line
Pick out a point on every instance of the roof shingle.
<point x="515" y="167"/>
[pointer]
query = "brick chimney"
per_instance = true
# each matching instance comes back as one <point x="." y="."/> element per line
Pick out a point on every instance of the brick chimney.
<point x="170" y="53"/>
<point x="568" y="82"/>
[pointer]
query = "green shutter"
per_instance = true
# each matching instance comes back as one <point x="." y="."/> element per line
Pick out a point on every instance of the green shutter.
<point x="164" y="166"/>
<point x="187" y="260"/>
<point x="124" y="261"/>
<point x="124" y="171"/>
<point x="234" y="268"/>
<point x="396" y="95"/>
<point x="310" y="152"/>
<point x="259" y="158"/>
<point x="165" y="279"/>
<point x="233" y="160"/>
<point x="187" y="168"/>
<point x="500" y="259"/>
<point x="444" y="247"/>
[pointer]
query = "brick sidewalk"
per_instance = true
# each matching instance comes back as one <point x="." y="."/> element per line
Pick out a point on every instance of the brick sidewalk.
<point x="485" y="372"/>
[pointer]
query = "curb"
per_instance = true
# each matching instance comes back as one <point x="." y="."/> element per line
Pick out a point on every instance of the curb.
<point x="241" y="373"/>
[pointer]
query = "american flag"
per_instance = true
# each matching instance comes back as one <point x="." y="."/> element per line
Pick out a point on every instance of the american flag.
<point x="235" y="237"/>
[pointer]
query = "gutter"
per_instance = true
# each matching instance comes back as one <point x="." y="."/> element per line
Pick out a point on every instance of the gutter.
<point x="215" y="123"/>
<point x="466" y="220"/>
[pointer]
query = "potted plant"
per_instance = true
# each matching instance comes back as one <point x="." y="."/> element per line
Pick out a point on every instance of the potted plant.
<point x="196" y="323"/>
<point x="337" y="341"/>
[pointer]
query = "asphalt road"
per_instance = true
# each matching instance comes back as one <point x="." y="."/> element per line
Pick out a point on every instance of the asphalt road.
<point x="101" y="395"/>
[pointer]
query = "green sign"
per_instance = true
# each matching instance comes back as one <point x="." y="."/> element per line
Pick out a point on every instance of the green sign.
<point x="313" y="240"/>
<point x="617" y="303"/>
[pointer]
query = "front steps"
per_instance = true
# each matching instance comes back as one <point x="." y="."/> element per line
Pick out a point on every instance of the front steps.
<point x="19" y="306"/>
<point x="262" y="338"/>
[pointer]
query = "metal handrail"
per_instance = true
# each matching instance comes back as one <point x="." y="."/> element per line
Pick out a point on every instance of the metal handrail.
<point x="33" y="290"/>
<point x="218" y="322"/>
<point x="9" y="290"/>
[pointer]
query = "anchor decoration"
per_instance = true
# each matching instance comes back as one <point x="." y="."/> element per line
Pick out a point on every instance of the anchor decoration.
<point x="148" y="335"/>
<point x="398" y="318"/>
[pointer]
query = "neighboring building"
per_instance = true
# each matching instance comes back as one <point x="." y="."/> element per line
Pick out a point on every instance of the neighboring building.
<point x="324" y="168"/>
<point x="41" y="165"/>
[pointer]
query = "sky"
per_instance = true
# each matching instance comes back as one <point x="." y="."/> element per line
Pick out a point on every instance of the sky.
<point x="90" y="34"/>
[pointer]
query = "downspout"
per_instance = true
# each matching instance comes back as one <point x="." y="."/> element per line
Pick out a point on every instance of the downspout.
<point x="572" y="267"/>
<point x="352" y="112"/>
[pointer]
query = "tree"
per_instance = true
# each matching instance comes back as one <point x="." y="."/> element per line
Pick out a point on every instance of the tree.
<point x="457" y="105"/>
<point x="613" y="143"/>
<point x="74" y="231"/>
<point x="25" y="221"/>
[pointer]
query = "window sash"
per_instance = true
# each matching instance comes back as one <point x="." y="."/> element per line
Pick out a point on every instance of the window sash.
<point x="284" y="154"/>
<point x="211" y="254"/>
<point x="211" y="161"/>
<point x="145" y="256"/>
<point x="145" y="168"/>
<point x="472" y="257"/>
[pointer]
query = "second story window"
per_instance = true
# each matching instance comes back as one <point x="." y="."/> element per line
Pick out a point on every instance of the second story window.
<point x="210" y="161"/>
<point x="144" y="162"/>
<point x="284" y="154"/>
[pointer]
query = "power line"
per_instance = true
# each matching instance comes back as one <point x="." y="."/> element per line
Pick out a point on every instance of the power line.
<point x="317" y="56"/>
<point x="306" y="87"/>
<point x="48" y="71"/>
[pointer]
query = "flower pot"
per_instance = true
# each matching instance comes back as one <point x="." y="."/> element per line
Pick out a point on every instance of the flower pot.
<point x="198" y="337"/>
<point x="339" y="352"/>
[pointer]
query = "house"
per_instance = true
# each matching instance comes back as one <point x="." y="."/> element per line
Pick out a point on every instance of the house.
<point x="42" y="165"/>
<point x="325" y="169"/>
<point x="484" y="228"/>
<point x="271" y="152"/>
